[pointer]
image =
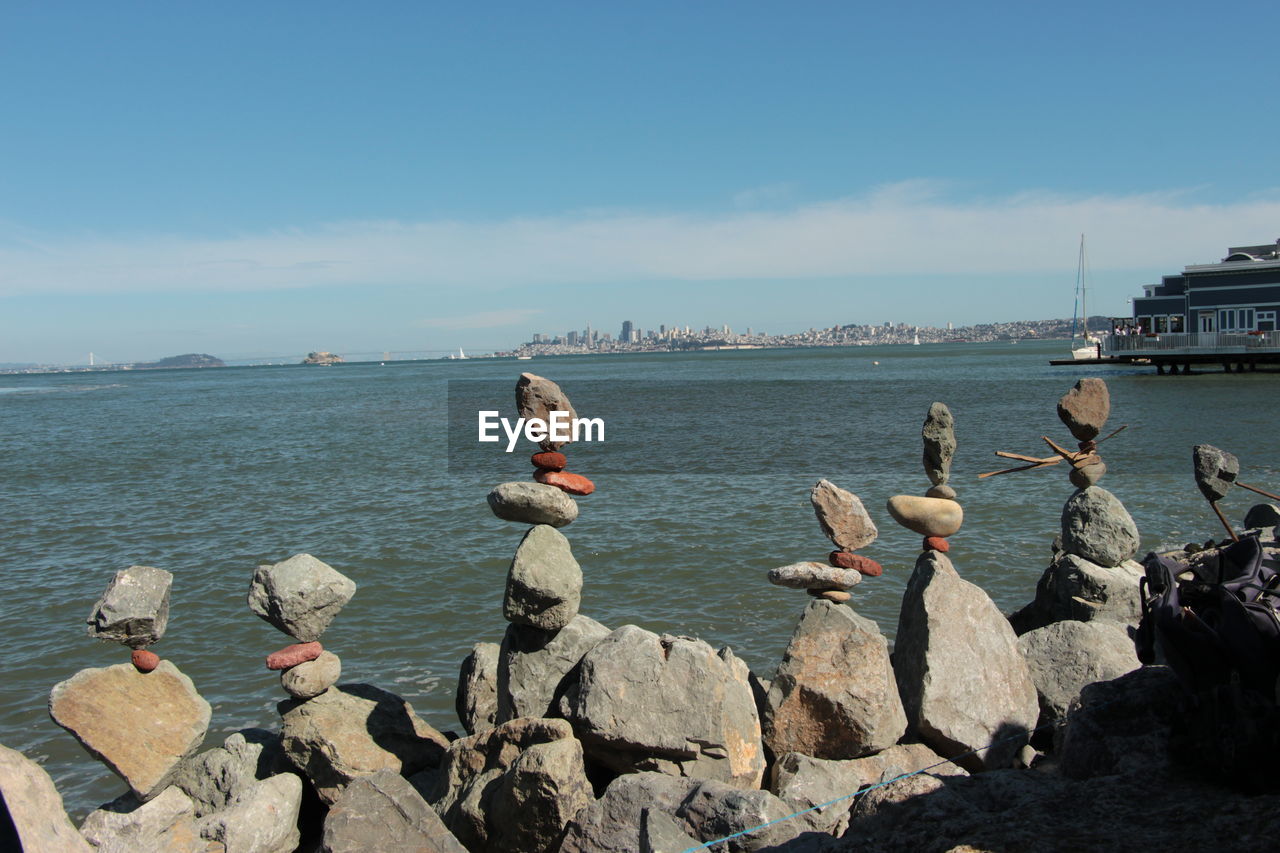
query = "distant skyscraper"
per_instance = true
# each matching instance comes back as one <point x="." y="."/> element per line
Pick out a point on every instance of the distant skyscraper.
<point x="626" y="331"/>
<point x="573" y="339"/>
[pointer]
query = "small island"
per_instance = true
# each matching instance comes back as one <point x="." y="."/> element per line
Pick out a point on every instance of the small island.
<point x="191" y="359"/>
<point x="322" y="358"/>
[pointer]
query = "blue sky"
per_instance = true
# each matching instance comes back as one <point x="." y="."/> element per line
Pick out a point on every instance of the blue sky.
<point x="272" y="178"/>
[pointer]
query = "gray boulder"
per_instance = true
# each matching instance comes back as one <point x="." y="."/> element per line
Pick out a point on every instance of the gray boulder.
<point x="537" y="397"/>
<point x="1076" y="589"/>
<point x="384" y="812"/>
<point x="660" y="833"/>
<point x="1085" y="408"/>
<point x="134" y="610"/>
<point x="834" y="695"/>
<point x="1261" y="516"/>
<point x="477" y="698"/>
<point x="354" y="730"/>
<point x="165" y="823"/>
<point x="544" y="583"/>
<point x="1122" y="725"/>
<point x="535" y="667"/>
<point x="1097" y="527"/>
<point x="843" y="518"/>
<point x="532" y="503"/>
<point x="673" y="704"/>
<point x="1215" y="471"/>
<point x="263" y="819"/>
<point x="713" y="810"/>
<point x="1066" y="656"/>
<point x="939" y="434"/>
<point x="612" y="823"/>
<point x="33" y="807"/>
<point x="963" y="682"/>
<point x="543" y="789"/>
<point x="217" y="777"/>
<point x="300" y="596"/>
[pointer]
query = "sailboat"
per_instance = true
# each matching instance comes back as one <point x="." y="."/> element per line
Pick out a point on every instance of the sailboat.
<point x="916" y="340"/>
<point x="1090" y="346"/>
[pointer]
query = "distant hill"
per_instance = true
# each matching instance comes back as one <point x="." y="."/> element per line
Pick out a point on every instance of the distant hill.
<point x="191" y="359"/>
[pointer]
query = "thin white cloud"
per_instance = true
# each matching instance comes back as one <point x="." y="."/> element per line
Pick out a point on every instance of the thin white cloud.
<point x="909" y="228"/>
<point x="482" y="319"/>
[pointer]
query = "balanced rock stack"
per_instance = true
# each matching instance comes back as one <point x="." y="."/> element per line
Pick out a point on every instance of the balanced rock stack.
<point x="937" y="515"/>
<point x="1085" y="409"/>
<point x="300" y="597"/>
<point x="141" y="718"/>
<point x="846" y="523"/>
<point x="537" y="397"/>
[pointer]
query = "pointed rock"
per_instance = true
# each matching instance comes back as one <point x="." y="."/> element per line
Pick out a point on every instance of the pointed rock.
<point x="33" y="808"/>
<point x="1215" y="471"/>
<point x="534" y="667"/>
<point x="939" y="434"/>
<point x="537" y="397"/>
<point x="300" y="596"/>
<point x="1097" y="527"/>
<point x="964" y="684"/>
<point x="842" y="516"/>
<point x="834" y="695"/>
<point x="477" y="699"/>
<point x="134" y="610"/>
<point x="1085" y="408"/>
<point x="385" y="810"/>
<point x="544" y="583"/>
<point x="139" y="724"/>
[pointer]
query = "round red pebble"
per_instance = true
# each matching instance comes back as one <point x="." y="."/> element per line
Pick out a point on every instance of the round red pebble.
<point x="846" y="560"/>
<point x="936" y="543"/>
<point x="550" y="460"/>
<point x="574" y="484"/>
<point x="144" y="661"/>
<point x="293" y="655"/>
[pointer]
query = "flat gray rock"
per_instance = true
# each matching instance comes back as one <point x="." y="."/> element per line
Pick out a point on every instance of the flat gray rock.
<point x="384" y="812"/>
<point x="544" y="583"/>
<point x="532" y="503"/>
<point x="1215" y="471"/>
<point x="1074" y="588"/>
<point x="1085" y="408"/>
<point x="534" y="666"/>
<point x="843" y="518"/>
<point x="477" y="697"/>
<point x="1066" y="656"/>
<point x="1097" y="527"/>
<point x="34" y="807"/>
<point x="165" y="823"/>
<point x="939" y="434"/>
<point x="134" y="610"/>
<point x="963" y="681"/>
<point x="811" y="575"/>
<point x="537" y="397"/>
<point x="834" y="695"/>
<point x="300" y="596"/>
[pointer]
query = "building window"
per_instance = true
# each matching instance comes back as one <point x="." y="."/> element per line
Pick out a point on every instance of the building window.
<point x="1176" y="324"/>
<point x="1266" y="321"/>
<point x="1235" y="319"/>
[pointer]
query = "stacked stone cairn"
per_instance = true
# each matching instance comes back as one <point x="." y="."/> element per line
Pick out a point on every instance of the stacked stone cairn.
<point x="537" y="397"/>
<point x="846" y="523"/>
<point x="937" y="515"/>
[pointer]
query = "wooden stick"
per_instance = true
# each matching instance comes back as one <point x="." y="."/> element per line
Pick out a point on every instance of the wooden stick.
<point x="1257" y="490"/>
<point x="1021" y="468"/>
<point x="1223" y="519"/>
<point x="1114" y="434"/>
<point x="1061" y="451"/>
<point x="1023" y="458"/>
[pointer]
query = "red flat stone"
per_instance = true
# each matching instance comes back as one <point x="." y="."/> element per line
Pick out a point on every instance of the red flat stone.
<point x="574" y="484"/>
<point x="846" y="560"/>
<point x="144" y="661"/>
<point x="549" y="459"/>
<point x="936" y="543"/>
<point x="293" y="655"/>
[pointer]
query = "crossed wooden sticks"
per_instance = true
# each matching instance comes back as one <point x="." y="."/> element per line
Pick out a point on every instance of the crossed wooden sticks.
<point x="1077" y="458"/>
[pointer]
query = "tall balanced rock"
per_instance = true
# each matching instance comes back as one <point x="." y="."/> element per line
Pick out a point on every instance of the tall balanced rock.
<point x="963" y="681"/>
<point x="842" y="516"/>
<point x="936" y="515"/>
<point x="544" y="583"/>
<point x="300" y="596"/>
<point x="538" y="397"/>
<point x="1085" y="408"/>
<point x="134" y="610"/>
<point x="1097" y="527"/>
<point x="939" y="434"/>
<point x="834" y="695"/>
<point x="1215" y="471"/>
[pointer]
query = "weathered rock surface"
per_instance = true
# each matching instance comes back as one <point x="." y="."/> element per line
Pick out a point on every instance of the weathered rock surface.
<point x="842" y="516"/>
<point x="311" y="678"/>
<point x="263" y="819"/>
<point x="1066" y="656"/>
<point x="534" y="666"/>
<point x="963" y="682"/>
<point x="713" y="810"/>
<point x="134" y="610"/>
<point x="544" y="583"/>
<point x="612" y="823"/>
<point x="33" y="808"/>
<point x="543" y="789"/>
<point x="1074" y="588"/>
<point x="217" y="777"/>
<point x="293" y="655"/>
<point x="384" y="812"/>
<point x="139" y="724"/>
<point x="354" y="730"/>
<point x="927" y="516"/>
<point x="825" y="786"/>
<point x="532" y="503"/>
<point x="645" y="702"/>
<point x="300" y="596"/>
<point x="1085" y="408"/>
<point x="834" y="695"/>
<point x="659" y="833"/>
<point x="811" y="575"/>
<point x="537" y="397"/>
<point x="477" y="697"/>
<point x="939" y="434"/>
<point x="166" y="823"/>
<point x="1122" y="725"/>
<point x="1215" y="471"/>
<point x="1097" y="527"/>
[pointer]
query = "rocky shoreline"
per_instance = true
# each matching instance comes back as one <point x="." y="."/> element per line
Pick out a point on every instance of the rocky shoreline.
<point x="1037" y="730"/>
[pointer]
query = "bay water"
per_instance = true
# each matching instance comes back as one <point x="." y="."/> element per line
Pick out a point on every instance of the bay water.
<point x="702" y="487"/>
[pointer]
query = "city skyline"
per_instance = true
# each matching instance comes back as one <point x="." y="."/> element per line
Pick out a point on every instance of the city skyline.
<point x="245" y="179"/>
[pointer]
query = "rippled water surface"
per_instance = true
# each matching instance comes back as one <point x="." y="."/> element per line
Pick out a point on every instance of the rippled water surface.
<point x="702" y="486"/>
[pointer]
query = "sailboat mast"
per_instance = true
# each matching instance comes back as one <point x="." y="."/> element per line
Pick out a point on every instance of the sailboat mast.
<point x="1084" y="290"/>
